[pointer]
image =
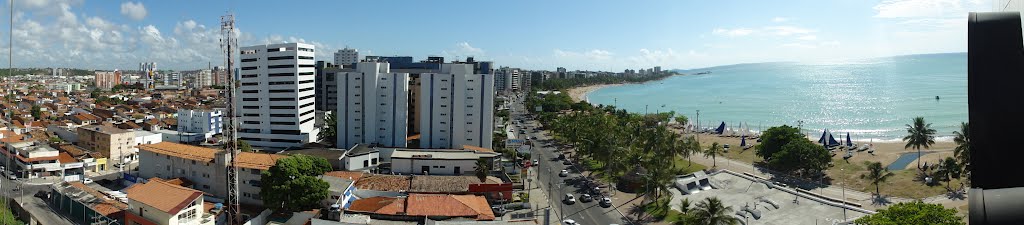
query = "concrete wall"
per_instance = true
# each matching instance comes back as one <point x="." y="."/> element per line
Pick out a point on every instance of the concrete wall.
<point x="437" y="166"/>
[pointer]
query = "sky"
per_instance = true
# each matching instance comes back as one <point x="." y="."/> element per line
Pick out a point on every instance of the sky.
<point x="531" y="34"/>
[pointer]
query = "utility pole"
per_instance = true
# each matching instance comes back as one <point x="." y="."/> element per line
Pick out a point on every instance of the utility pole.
<point x="10" y="72"/>
<point x="228" y="45"/>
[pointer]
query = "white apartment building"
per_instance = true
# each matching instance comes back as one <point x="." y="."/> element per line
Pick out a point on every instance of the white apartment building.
<point x="346" y="56"/>
<point x="456" y="108"/>
<point x="204" y="78"/>
<point x="277" y="95"/>
<point x="373" y="106"/>
<point x="203" y="121"/>
<point x="513" y="82"/>
<point x="500" y="78"/>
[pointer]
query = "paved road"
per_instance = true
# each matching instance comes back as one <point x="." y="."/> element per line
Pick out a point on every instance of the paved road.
<point x="586" y="213"/>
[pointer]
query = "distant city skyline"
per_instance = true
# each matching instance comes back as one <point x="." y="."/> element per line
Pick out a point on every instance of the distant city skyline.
<point x="578" y="35"/>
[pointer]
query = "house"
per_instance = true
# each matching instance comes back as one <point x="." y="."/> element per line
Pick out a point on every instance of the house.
<point x="93" y="162"/>
<point x="340" y="193"/>
<point x="68" y="199"/>
<point x="114" y="143"/>
<point x="439" y="161"/>
<point x="419" y="206"/>
<point x="206" y="168"/>
<point x="160" y="203"/>
<point x="361" y="157"/>
<point x="32" y="160"/>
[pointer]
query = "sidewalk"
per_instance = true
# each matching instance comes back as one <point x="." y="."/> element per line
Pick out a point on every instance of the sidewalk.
<point x="48" y="180"/>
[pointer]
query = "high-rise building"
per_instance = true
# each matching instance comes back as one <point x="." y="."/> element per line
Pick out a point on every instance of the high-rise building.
<point x="346" y="57"/>
<point x="514" y="80"/>
<point x="456" y="107"/>
<point x="107" y="79"/>
<point x="204" y="121"/>
<point x="372" y="106"/>
<point x="326" y="86"/>
<point x="657" y="70"/>
<point x="501" y="79"/>
<point x="204" y="78"/>
<point x="277" y="92"/>
<point x="220" y="76"/>
<point x="148" y="70"/>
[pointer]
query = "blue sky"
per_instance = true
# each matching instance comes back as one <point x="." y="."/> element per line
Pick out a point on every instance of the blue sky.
<point x="594" y="35"/>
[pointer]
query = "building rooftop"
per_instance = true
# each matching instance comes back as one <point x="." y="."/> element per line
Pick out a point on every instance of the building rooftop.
<point x="442" y="184"/>
<point x="190" y="152"/>
<point x="351" y="175"/>
<point x="427" y="205"/>
<point x="105" y="129"/>
<point x="360" y="149"/>
<point x="338" y="184"/>
<point x="260" y="161"/>
<point x="163" y="196"/>
<point x="382" y="182"/>
<point x="95" y="200"/>
<point x="439" y="154"/>
<point x="326" y="153"/>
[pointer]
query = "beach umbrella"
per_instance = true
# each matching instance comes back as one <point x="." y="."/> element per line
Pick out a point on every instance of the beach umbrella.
<point x="848" y="142"/>
<point x="743" y="141"/>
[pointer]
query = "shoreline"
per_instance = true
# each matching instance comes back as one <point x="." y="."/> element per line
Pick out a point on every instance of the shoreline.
<point x="579" y="94"/>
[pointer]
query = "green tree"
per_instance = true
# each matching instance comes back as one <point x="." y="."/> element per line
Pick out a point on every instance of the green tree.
<point x="244" y="146"/>
<point x="774" y="138"/>
<point x="55" y="139"/>
<point x="713" y="151"/>
<point x="919" y="134"/>
<point x="682" y="120"/>
<point x="6" y="216"/>
<point x="711" y="211"/>
<point x="482" y="169"/>
<point x="801" y="156"/>
<point x="912" y="213"/>
<point x="949" y="169"/>
<point x="329" y="132"/>
<point x="293" y="183"/>
<point x="876" y="175"/>
<point x="36" y="111"/>
<point x="684" y="206"/>
<point x="962" y="152"/>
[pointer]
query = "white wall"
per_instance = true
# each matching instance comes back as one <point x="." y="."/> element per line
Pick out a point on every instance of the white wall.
<point x="372" y="106"/>
<point x="457" y="108"/>
<point x="414" y="166"/>
<point x="258" y="80"/>
<point x="356" y="163"/>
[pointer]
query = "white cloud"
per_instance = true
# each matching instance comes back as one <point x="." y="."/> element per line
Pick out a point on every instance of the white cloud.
<point x="463" y="49"/>
<point x="593" y="54"/>
<point x="780" y="19"/>
<point x="808" y="37"/>
<point x="787" y="30"/>
<point x="916" y="8"/>
<point x="133" y="10"/>
<point x="798" y="45"/>
<point x="732" y="32"/>
<point x="829" y="43"/>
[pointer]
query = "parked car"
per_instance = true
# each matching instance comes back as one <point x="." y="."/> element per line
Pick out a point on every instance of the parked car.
<point x="563" y="173"/>
<point x="86" y="180"/>
<point x="569" y="222"/>
<point x="569" y="199"/>
<point x="605" y="202"/>
<point x="536" y="162"/>
<point x="586" y="198"/>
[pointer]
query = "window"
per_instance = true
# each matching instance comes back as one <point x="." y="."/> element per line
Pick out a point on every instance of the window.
<point x="282" y="91"/>
<point x="305" y="57"/>
<point x="251" y="122"/>
<point x="282" y="107"/>
<point x="292" y="132"/>
<point x="366" y="163"/>
<point x="281" y="99"/>
<point x="277" y="83"/>
<point x="249" y="59"/>
<point x="280" y="74"/>
<point x="282" y="115"/>
<point x="249" y="76"/>
<point x="254" y="183"/>
<point x="306" y="81"/>
<point x="307" y="74"/>
<point x="251" y="114"/>
<point x="251" y="91"/>
<point x="306" y="65"/>
<point x="374" y="161"/>
<point x="251" y="99"/>
<point x="251" y="107"/>
<point x="281" y="66"/>
<point x="282" y="123"/>
<point x="249" y="68"/>
<point x="273" y="49"/>
<point x="252" y="83"/>
<point x="280" y="57"/>
<point x="187" y="216"/>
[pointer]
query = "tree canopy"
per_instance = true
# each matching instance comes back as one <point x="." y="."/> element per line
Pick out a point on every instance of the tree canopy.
<point x="912" y="213"/>
<point x="293" y="183"/>
<point x="801" y="156"/>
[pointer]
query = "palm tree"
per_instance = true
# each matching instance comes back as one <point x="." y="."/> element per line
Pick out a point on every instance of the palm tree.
<point x="711" y="211"/>
<point x="684" y="206"/>
<point x="482" y="169"/>
<point x="876" y="174"/>
<point x="950" y="170"/>
<point x="962" y="152"/>
<point x="330" y="131"/>
<point x="714" y="151"/>
<point x="920" y="134"/>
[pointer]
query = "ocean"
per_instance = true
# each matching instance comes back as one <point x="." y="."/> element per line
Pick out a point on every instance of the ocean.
<point x="872" y="99"/>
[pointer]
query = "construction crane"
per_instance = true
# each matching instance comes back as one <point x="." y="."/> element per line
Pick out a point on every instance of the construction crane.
<point x="228" y="44"/>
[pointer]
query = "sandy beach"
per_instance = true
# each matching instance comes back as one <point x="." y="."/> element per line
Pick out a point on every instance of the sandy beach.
<point x="885" y="152"/>
<point x="580" y="93"/>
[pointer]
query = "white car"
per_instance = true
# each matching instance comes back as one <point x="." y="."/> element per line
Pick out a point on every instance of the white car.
<point x="569" y="199"/>
<point x="569" y="222"/>
<point x="563" y="173"/>
<point x="86" y="180"/>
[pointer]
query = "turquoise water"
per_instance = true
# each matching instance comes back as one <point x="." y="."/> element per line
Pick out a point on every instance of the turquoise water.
<point x="872" y="99"/>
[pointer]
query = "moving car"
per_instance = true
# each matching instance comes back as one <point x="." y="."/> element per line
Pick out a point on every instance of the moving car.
<point x="586" y="198"/>
<point x="605" y="202"/>
<point x="563" y="173"/>
<point x="569" y="199"/>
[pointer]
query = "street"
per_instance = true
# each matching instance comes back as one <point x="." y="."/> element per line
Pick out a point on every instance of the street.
<point x="556" y="187"/>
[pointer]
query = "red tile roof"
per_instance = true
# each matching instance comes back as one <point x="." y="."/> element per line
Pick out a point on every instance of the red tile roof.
<point x="260" y="161"/>
<point x="429" y="205"/>
<point x="64" y="158"/>
<point x="163" y="196"/>
<point x="351" y="175"/>
<point x="190" y="152"/>
<point x="105" y="206"/>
